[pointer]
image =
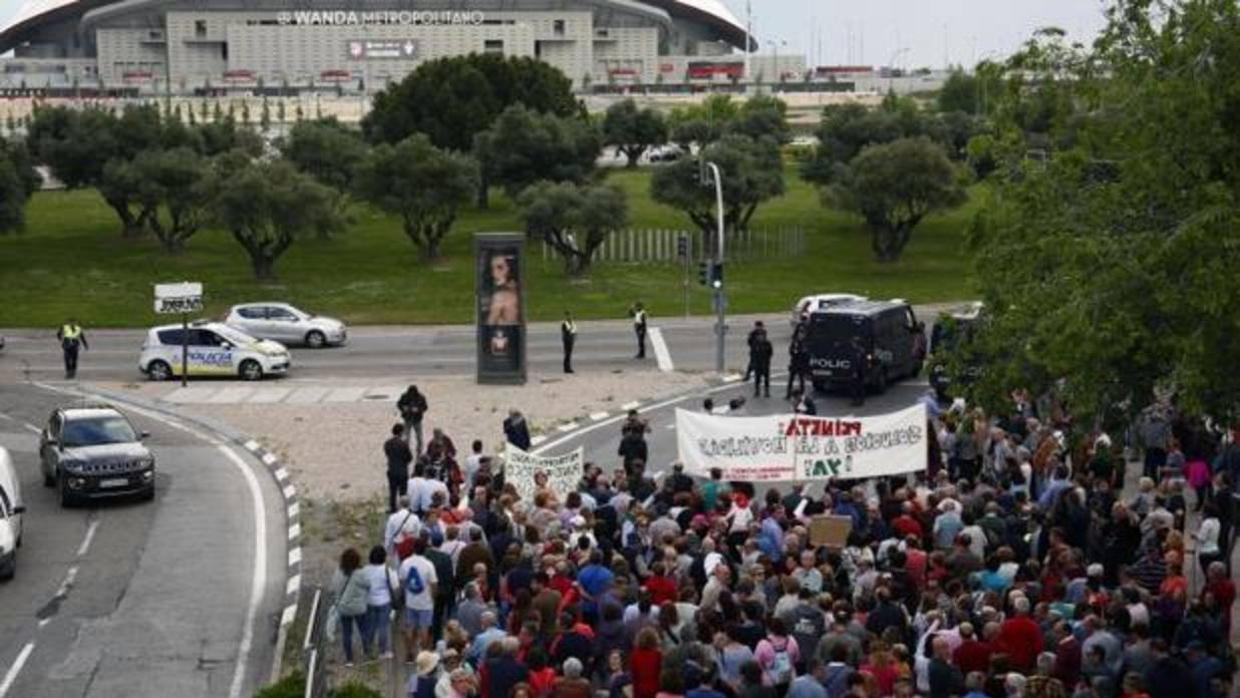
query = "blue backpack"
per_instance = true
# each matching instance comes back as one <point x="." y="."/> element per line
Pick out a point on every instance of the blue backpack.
<point x="413" y="583"/>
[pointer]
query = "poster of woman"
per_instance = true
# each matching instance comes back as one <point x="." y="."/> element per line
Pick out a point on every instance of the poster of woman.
<point x="501" y="317"/>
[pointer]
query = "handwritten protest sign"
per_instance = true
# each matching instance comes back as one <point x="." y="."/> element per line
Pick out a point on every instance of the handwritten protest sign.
<point x="563" y="472"/>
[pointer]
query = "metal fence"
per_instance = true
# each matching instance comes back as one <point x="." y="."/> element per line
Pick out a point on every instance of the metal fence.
<point x="664" y="246"/>
<point x="313" y="648"/>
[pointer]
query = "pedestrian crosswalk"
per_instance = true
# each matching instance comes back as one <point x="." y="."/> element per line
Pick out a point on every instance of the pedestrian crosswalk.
<point x="300" y="395"/>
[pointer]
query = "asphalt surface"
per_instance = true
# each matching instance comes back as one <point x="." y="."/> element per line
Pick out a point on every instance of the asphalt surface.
<point x="132" y="598"/>
<point x="601" y="441"/>
<point x="385" y="352"/>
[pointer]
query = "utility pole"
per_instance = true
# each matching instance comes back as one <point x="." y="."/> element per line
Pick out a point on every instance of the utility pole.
<point x="748" y="31"/>
<point x="716" y="279"/>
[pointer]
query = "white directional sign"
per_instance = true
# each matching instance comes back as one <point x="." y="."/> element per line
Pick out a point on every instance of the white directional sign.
<point x="184" y="297"/>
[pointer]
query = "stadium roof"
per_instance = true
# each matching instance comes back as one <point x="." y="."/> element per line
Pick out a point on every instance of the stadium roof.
<point x="36" y="12"/>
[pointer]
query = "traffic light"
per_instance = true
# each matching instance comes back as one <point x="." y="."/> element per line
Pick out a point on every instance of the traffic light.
<point x="682" y="247"/>
<point x="704" y="273"/>
<point x="716" y="275"/>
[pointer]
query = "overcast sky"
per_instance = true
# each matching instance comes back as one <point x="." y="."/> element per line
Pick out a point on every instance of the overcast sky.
<point x="873" y="31"/>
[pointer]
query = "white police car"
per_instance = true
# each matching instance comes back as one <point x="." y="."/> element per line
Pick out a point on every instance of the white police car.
<point x="215" y="349"/>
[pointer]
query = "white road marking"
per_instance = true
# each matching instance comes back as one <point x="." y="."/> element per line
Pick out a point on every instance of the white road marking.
<point x="11" y="676"/>
<point x="260" y="571"/>
<point x="30" y="427"/>
<point x="294" y="531"/>
<point x="293" y="510"/>
<point x="565" y="428"/>
<point x="294" y="556"/>
<point x="259" y="580"/>
<point x="294" y="584"/>
<point x="598" y="416"/>
<point x="633" y="405"/>
<point x="630" y="406"/>
<point x="281" y="474"/>
<point x="290" y="613"/>
<point x="732" y="377"/>
<point x="90" y="536"/>
<point x="345" y="395"/>
<point x="661" y="354"/>
<point x="251" y="445"/>
<point x="230" y="396"/>
<point x="289" y="491"/>
<point x="269" y="458"/>
<point x="535" y="440"/>
<point x="266" y="396"/>
<point x="306" y="396"/>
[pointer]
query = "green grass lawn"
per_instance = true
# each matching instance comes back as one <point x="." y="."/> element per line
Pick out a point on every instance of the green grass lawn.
<point x="71" y="260"/>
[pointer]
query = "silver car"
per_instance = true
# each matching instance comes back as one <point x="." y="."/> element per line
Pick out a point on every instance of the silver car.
<point x="284" y="323"/>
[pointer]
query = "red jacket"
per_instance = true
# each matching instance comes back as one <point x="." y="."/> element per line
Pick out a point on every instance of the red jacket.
<point x="645" y="665"/>
<point x="1021" y="639"/>
<point x="973" y="655"/>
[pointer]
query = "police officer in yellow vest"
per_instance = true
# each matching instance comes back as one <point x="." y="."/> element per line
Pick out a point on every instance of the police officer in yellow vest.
<point x="568" y="335"/>
<point x="638" y="311"/>
<point x="72" y="339"/>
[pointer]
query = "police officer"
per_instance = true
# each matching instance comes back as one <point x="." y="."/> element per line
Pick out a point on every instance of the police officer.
<point x="798" y="361"/>
<point x="859" y="360"/>
<point x="638" y="311"/>
<point x="72" y="339"/>
<point x="758" y="329"/>
<point x="760" y="352"/>
<point x="568" y="336"/>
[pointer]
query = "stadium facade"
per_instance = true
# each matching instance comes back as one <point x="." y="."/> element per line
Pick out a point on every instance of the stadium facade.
<point x="182" y="45"/>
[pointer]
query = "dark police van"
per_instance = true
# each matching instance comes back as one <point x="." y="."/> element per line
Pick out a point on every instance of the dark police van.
<point x="887" y="331"/>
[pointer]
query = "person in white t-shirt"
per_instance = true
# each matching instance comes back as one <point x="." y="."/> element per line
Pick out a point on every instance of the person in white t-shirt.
<point x="415" y="488"/>
<point x="403" y="523"/>
<point x="417" y="577"/>
<point x="473" y="463"/>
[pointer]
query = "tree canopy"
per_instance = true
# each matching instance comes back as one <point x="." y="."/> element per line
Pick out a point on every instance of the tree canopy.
<point x="752" y="172"/>
<point x="524" y="146"/>
<point x="267" y="206"/>
<point x="893" y="186"/>
<point x="633" y="130"/>
<point x="1107" y="250"/>
<point x="18" y="182"/>
<point x="574" y="220"/>
<point x="422" y="184"/>
<point x="453" y="99"/>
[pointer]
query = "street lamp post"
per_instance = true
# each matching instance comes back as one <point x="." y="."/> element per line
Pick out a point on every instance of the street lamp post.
<point x="717" y="278"/>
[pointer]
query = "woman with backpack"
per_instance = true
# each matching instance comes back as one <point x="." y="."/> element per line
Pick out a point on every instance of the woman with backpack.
<point x="351" y="589"/>
<point x="778" y="655"/>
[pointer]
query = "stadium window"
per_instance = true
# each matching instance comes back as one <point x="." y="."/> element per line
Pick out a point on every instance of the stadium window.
<point x="558" y="27"/>
<point x="493" y="46"/>
<point x="200" y="28"/>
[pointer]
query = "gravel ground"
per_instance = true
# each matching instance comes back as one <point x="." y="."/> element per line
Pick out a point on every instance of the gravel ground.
<point x="334" y="451"/>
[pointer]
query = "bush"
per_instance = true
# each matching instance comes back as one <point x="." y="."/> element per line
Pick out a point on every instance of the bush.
<point x="291" y="686"/>
<point x="355" y="690"/>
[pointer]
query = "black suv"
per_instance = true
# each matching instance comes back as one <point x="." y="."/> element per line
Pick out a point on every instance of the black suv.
<point x="91" y="452"/>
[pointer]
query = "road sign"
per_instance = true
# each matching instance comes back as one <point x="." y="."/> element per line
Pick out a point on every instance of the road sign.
<point x="181" y="298"/>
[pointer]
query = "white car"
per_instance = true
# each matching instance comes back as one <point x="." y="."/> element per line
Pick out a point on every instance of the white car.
<point x="215" y="349"/>
<point x="809" y="304"/>
<point x="284" y="323"/>
<point x="11" y="509"/>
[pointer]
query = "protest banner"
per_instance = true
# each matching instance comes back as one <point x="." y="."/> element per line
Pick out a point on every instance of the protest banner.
<point x="829" y="531"/>
<point x="563" y="472"/>
<point x="783" y="448"/>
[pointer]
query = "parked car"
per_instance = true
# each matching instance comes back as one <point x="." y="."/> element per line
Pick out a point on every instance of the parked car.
<point x="92" y="452"/>
<point x="282" y="322"/>
<point x="12" y="507"/>
<point x="667" y="153"/>
<point x="809" y="304"/>
<point x="215" y="349"/>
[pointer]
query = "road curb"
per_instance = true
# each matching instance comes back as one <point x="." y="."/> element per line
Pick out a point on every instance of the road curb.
<point x="279" y="474"/>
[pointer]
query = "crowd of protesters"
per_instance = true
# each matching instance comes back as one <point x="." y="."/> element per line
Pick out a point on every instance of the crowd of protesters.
<point x="1016" y="563"/>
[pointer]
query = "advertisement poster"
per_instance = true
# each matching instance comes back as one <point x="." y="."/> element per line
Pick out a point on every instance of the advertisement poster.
<point x="563" y="472"/>
<point x="782" y="448"/>
<point x="499" y="259"/>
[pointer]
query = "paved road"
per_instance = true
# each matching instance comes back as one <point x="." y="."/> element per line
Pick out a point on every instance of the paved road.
<point x="139" y="599"/>
<point x="399" y="352"/>
<point x="602" y="440"/>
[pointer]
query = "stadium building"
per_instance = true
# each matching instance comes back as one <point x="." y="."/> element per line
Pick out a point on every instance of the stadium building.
<point x="188" y="45"/>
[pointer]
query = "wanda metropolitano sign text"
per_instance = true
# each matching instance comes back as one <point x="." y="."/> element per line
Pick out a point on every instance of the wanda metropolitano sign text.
<point x="783" y="448"/>
<point x="355" y="18"/>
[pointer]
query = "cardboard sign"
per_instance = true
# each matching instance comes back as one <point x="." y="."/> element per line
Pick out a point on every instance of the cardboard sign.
<point x="831" y="531"/>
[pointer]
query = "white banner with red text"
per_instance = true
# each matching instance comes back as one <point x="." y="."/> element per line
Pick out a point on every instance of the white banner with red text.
<point x="782" y="448"/>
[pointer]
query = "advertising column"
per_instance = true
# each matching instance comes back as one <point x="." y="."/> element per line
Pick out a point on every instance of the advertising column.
<point x="500" y="278"/>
